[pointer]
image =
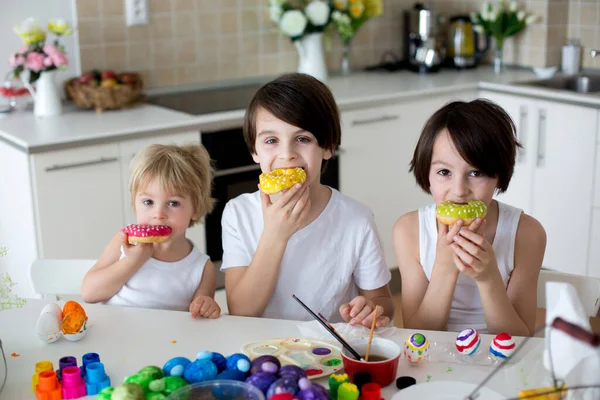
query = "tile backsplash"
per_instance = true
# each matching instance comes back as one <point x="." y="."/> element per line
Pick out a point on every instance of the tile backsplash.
<point x="206" y="41"/>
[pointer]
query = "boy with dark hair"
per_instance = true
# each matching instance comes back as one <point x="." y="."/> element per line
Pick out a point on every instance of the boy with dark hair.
<point x="313" y="241"/>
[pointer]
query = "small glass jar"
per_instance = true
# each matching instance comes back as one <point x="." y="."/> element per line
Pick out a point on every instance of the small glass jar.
<point x="15" y="92"/>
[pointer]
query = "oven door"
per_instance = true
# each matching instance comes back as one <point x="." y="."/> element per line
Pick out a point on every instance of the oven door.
<point x="228" y="184"/>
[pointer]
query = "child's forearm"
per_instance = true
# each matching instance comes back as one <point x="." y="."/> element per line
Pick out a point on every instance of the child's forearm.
<point x="500" y="315"/>
<point x="434" y="310"/>
<point x="102" y="284"/>
<point x="386" y="303"/>
<point x="252" y="293"/>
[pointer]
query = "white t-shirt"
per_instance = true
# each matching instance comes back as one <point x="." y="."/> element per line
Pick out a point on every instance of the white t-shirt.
<point x="324" y="263"/>
<point x="163" y="285"/>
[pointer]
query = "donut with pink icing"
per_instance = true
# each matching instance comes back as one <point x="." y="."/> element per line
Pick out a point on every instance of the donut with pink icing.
<point x="146" y="233"/>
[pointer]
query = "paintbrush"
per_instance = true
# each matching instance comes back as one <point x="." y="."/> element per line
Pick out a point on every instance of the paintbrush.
<point x="371" y="334"/>
<point x="329" y="328"/>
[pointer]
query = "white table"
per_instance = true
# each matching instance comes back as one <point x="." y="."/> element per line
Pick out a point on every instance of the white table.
<point x="128" y="339"/>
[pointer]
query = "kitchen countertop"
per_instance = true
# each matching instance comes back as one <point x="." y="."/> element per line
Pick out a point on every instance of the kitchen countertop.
<point x="364" y="89"/>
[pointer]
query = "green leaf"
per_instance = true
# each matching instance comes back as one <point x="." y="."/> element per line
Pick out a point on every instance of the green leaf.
<point x="33" y="76"/>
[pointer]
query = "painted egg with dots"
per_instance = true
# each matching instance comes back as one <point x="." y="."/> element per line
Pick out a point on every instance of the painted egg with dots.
<point x="416" y="348"/>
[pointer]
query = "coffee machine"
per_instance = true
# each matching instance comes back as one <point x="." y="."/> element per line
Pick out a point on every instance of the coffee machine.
<point x="425" y="48"/>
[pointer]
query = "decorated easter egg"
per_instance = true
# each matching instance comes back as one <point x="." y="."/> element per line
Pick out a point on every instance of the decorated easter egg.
<point x="72" y="305"/>
<point x="238" y="361"/>
<point x="200" y="371"/>
<point x="128" y="391"/>
<point x="286" y="384"/>
<point x="261" y="380"/>
<point x="311" y="391"/>
<point x="47" y="327"/>
<point x="292" y="371"/>
<point x="468" y="341"/>
<point x="232" y="375"/>
<point x="416" y="348"/>
<point x="265" y="363"/>
<point x="175" y="366"/>
<point x="503" y="345"/>
<point x="217" y="358"/>
<point x="74" y="326"/>
<point x="165" y="386"/>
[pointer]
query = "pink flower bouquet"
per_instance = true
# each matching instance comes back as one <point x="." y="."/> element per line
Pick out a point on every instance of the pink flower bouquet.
<point x="37" y="55"/>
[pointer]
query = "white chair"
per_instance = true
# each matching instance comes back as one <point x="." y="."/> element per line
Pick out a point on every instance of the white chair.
<point x="588" y="289"/>
<point x="54" y="279"/>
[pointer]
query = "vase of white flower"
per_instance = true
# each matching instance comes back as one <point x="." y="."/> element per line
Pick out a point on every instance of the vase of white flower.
<point x="304" y="22"/>
<point x="310" y="56"/>
<point x="500" y="23"/>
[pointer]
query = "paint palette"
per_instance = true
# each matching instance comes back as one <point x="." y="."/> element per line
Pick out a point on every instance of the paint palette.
<point x="316" y="357"/>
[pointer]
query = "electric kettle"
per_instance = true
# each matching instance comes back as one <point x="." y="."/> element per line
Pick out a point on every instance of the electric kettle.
<point x="463" y="42"/>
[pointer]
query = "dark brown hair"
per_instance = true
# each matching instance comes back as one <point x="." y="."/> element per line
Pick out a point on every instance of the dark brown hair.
<point x="483" y="133"/>
<point x="300" y="100"/>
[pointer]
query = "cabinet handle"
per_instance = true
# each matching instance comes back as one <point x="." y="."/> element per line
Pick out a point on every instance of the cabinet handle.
<point x="522" y="136"/>
<point x="541" y="153"/>
<point x="383" y="118"/>
<point x="101" y="160"/>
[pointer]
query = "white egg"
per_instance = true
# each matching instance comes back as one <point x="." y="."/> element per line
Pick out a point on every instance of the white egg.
<point x="53" y="308"/>
<point x="48" y="327"/>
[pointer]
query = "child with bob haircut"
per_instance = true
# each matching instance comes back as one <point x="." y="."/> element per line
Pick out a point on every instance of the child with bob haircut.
<point x="312" y="241"/>
<point x="483" y="276"/>
<point x="170" y="185"/>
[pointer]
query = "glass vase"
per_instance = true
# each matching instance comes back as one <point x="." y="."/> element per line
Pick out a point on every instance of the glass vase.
<point x="499" y="57"/>
<point x="345" y="67"/>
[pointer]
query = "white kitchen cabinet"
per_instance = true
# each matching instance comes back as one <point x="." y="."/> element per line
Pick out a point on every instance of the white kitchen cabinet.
<point x="555" y="181"/>
<point x="594" y="260"/>
<point x="521" y="110"/>
<point x="128" y="149"/>
<point x="377" y="147"/>
<point x="77" y="200"/>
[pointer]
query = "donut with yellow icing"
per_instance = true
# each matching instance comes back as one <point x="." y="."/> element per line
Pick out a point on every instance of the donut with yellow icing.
<point x="448" y="212"/>
<point x="281" y="179"/>
<point x="147" y="233"/>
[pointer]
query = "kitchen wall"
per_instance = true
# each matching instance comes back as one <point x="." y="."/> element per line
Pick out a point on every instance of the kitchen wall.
<point x="12" y="12"/>
<point x="207" y="41"/>
<point x="584" y="24"/>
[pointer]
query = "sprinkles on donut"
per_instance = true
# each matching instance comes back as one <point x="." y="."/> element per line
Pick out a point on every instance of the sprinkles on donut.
<point x="449" y="212"/>
<point x="280" y="179"/>
<point x="146" y="233"/>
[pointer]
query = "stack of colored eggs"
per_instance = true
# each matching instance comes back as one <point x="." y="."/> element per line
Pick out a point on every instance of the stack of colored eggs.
<point x="279" y="382"/>
<point x="265" y="373"/>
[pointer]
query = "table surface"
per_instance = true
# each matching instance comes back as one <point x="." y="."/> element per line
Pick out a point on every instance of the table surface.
<point x="128" y="339"/>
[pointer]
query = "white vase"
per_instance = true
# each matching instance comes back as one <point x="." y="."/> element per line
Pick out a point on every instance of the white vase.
<point x="311" y="57"/>
<point x="46" y="99"/>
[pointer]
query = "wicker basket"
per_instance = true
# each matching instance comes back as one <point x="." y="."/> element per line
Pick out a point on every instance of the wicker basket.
<point x="104" y="98"/>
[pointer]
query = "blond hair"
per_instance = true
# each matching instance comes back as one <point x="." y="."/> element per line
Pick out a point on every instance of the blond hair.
<point x="181" y="170"/>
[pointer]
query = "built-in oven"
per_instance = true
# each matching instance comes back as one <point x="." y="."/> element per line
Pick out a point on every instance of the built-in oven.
<point x="237" y="173"/>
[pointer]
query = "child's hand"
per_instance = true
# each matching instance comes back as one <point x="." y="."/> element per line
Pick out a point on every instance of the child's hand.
<point x="474" y="255"/>
<point x="206" y="307"/>
<point x="288" y="214"/>
<point x="362" y="311"/>
<point x="141" y="252"/>
<point x="444" y="255"/>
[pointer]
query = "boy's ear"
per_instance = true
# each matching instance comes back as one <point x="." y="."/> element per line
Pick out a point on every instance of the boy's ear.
<point x="255" y="158"/>
<point x="327" y="154"/>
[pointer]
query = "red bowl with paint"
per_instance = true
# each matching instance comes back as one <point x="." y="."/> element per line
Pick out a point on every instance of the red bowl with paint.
<point x="383" y="372"/>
